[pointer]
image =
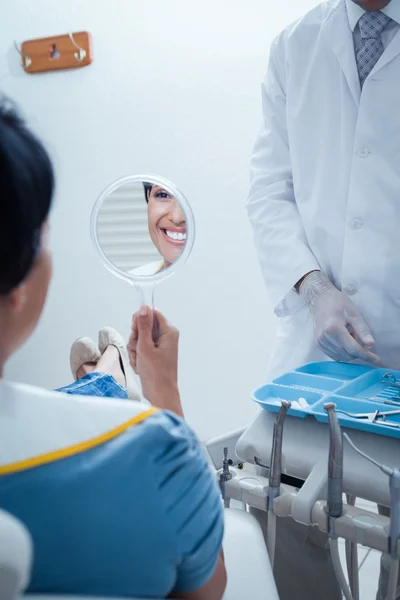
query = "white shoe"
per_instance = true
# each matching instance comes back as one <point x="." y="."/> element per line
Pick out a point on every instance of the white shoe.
<point x="110" y="337"/>
<point x="83" y="350"/>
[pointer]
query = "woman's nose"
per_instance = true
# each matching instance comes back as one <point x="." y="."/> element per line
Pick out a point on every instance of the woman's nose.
<point x="177" y="215"/>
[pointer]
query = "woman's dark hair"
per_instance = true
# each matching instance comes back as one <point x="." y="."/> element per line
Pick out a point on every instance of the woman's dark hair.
<point x="26" y="190"/>
<point x="147" y="190"/>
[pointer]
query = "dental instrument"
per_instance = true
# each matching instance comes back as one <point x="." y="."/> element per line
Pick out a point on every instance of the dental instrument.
<point x="391" y="402"/>
<point x="371" y="417"/>
<point x="394" y="530"/>
<point x="275" y="474"/>
<point x="384" y="397"/>
<point x="335" y="492"/>
<point x="335" y="468"/>
<point x="390" y="392"/>
<point x="391" y="379"/>
<point x="225" y="476"/>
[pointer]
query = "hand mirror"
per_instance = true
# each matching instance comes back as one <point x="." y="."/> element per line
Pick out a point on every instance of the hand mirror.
<point x="143" y="230"/>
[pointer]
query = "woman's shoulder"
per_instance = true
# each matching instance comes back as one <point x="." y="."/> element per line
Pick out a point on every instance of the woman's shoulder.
<point x="35" y="421"/>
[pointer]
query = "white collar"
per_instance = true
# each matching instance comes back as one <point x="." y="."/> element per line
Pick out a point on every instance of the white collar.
<point x="355" y="12"/>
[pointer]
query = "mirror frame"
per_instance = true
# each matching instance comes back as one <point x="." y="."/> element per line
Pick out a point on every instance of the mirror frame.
<point x="145" y="280"/>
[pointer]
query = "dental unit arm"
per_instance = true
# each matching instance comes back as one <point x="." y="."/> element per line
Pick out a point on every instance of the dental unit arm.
<point x="335" y="494"/>
<point x="394" y="533"/>
<point x="275" y="475"/>
<point x="394" y="527"/>
<point x="308" y="492"/>
<point x="335" y="469"/>
<point x="275" y="471"/>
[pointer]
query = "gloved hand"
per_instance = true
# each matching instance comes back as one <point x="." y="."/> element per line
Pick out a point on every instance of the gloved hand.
<point x="340" y="330"/>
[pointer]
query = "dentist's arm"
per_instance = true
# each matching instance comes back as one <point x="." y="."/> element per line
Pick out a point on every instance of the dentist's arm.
<point x="280" y="239"/>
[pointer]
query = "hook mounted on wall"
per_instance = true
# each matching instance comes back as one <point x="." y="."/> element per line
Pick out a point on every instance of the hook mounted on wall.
<point x="81" y="54"/>
<point x="26" y="61"/>
<point x="69" y="51"/>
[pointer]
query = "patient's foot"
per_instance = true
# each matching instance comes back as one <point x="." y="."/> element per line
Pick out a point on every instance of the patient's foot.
<point x="109" y="337"/>
<point x="85" y="369"/>
<point x="110" y="363"/>
<point x="83" y="357"/>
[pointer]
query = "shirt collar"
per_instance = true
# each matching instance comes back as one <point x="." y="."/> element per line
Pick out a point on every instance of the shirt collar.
<point x="355" y="12"/>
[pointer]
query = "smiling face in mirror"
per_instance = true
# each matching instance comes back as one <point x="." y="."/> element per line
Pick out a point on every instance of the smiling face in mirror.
<point x="166" y="221"/>
<point x="141" y="227"/>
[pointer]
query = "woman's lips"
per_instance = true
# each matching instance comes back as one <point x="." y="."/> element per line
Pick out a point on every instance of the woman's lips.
<point x="175" y="236"/>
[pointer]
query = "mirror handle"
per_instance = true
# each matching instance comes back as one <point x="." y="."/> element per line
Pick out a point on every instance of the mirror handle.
<point x="147" y="299"/>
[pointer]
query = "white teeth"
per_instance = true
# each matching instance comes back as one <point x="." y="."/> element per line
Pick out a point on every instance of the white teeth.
<point x="175" y="235"/>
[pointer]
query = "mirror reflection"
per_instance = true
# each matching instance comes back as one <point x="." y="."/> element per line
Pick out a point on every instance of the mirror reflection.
<point x="141" y="228"/>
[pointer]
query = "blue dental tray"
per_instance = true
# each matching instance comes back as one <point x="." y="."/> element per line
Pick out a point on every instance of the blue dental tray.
<point x="353" y="388"/>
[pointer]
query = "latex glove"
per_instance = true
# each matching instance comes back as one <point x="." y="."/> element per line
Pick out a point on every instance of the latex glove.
<point x="340" y="330"/>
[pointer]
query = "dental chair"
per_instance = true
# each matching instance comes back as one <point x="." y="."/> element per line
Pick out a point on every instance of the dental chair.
<point x="246" y="559"/>
<point x="15" y="557"/>
<point x="341" y="441"/>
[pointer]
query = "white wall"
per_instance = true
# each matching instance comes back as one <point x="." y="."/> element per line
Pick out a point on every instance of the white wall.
<point x="174" y="90"/>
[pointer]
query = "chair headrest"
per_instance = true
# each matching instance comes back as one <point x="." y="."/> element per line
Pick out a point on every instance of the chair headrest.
<point x="16" y="552"/>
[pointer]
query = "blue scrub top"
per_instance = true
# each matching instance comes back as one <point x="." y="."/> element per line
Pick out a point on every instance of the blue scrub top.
<point x="137" y="514"/>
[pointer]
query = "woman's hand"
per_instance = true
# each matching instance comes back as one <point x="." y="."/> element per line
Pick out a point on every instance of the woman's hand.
<point x="156" y="363"/>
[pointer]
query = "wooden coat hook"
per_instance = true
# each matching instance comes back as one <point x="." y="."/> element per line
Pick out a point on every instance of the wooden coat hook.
<point x="69" y="51"/>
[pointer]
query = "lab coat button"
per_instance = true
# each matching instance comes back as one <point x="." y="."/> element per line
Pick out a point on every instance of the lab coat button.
<point x="364" y="152"/>
<point x="350" y="290"/>
<point x="356" y="223"/>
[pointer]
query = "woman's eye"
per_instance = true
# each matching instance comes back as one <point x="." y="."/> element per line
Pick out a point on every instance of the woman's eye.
<point x="163" y="195"/>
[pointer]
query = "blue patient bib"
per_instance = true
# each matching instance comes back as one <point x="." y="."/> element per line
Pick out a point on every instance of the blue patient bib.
<point x="132" y="511"/>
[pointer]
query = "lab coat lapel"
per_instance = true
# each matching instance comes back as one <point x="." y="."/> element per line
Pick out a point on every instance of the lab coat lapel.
<point x="338" y="34"/>
<point x="391" y="52"/>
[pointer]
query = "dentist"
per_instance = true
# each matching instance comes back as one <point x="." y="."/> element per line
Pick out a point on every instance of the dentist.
<point x="325" y="180"/>
<point x="324" y="200"/>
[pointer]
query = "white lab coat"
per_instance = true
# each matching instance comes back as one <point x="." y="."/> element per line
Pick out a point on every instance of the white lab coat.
<point x="325" y="191"/>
